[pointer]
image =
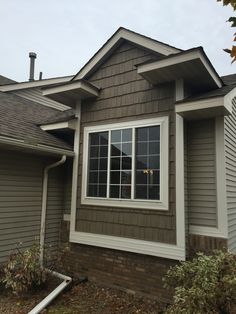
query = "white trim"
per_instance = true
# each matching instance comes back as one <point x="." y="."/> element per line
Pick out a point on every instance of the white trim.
<point x="221" y="231"/>
<point x="206" y="231"/>
<point x="36" y="147"/>
<point x="213" y="102"/>
<point x="228" y="100"/>
<point x="75" y="85"/>
<point x="32" y="84"/>
<point x="75" y="170"/>
<point x="164" y="183"/>
<point x="180" y="58"/>
<point x="60" y="125"/>
<point x="138" y="39"/>
<point x="179" y="171"/>
<point x="130" y="245"/>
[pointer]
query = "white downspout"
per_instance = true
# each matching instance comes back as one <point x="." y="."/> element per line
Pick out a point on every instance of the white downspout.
<point x="66" y="279"/>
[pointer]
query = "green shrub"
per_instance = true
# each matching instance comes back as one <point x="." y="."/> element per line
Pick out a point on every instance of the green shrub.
<point x="23" y="272"/>
<point x="207" y="284"/>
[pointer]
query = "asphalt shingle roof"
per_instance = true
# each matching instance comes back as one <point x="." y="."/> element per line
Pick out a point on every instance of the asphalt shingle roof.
<point x="61" y="116"/>
<point x="19" y="118"/>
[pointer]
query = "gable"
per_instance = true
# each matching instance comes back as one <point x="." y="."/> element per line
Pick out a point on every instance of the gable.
<point x="122" y="60"/>
<point x="119" y="36"/>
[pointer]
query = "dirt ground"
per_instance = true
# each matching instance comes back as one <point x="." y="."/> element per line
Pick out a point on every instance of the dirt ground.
<point x="85" y="298"/>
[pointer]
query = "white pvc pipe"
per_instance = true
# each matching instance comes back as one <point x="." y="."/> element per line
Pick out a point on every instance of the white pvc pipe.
<point x="44" y="204"/>
<point x="66" y="279"/>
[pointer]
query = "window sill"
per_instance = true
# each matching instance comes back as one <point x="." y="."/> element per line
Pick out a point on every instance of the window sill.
<point x="142" y="204"/>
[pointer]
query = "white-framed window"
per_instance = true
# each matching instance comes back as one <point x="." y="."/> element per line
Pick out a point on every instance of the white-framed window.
<point x="126" y="164"/>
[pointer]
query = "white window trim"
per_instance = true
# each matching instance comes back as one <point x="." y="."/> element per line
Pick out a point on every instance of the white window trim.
<point x="164" y="161"/>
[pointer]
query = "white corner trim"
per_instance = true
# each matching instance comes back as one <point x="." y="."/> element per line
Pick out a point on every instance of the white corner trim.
<point x="33" y="84"/>
<point x="164" y="166"/>
<point x="200" y="104"/>
<point x="60" y="125"/>
<point x="130" y="36"/>
<point x="221" y="231"/>
<point x="130" y="245"/>
<point x="75" y="168"/>
<point x="179" y="174"/>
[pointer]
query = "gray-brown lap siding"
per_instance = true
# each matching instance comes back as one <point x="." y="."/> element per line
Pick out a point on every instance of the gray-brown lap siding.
<point x="126" y="96"/>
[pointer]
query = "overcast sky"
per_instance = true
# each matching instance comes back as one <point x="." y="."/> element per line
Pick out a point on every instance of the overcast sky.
<point x="66" y="33"/>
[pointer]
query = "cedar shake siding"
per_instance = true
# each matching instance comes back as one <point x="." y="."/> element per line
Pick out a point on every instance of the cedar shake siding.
<point x="21" y="178"/>
<point x="230" y="154"/>
<point x="126" y="96"/>
<point x="201" y="173"/>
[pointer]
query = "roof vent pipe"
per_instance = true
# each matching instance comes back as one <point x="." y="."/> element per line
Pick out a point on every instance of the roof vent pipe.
<point x="40" y="76"/>
<point x="32" y="56"/>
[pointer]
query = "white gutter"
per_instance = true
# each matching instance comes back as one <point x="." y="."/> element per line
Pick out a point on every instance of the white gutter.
<point x="66" y="279"/>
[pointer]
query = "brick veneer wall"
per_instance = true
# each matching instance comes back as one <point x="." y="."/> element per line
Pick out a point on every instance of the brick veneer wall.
<point x="199" y="243"/>
<point x="128" y="271"/>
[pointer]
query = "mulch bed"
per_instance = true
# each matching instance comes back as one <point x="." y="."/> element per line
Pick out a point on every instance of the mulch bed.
<point x="85" y="298"/>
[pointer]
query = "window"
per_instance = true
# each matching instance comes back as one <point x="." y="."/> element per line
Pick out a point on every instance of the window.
<point x="126" y="164"/>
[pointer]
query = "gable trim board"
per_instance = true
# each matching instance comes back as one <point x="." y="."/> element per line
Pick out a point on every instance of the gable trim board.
<point x="32" y="84"/>
<point x="60" y="125"/>
<point x="133" y="37"/>
<point x="222" y="229"/>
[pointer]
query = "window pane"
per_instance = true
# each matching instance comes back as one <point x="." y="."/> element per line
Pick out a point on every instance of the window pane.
<point x="115" y="149"/>
<point x="154" y="148"/>
<point x="141" y="134"/>
<point x="141" y="177"/>
<point x="126" y="149"/>
<point x="116" y="136"/>
<point x="97" y="164"/>
<point x="142" y="148"/>
<point x="102" y="177"/>
<point x="114" y="191"/>
<point x="126" y="177"/>
<point x="93" y="177"/>
<point x="127" y="135"/>
<point x="147" y="163"/>
<point x="141" y="162"/>
<point x="154" y="133"/>
<point x="102" y="190"/>
<point x="141" y="192"/>
<point x="115" y="177"/>
<point x="125" y="191"/>
<point x="126" y="163"/>
<point x="92" y="190"/>
<point x="115" y="163"/>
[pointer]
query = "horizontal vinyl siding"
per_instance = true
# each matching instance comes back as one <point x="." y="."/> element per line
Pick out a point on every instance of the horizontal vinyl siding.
<point x="230" y="154"/>
<point x="126" y="96"/>
<point x="35" y="94"/>
<point x="20" y="202"/>
<point x="201" y="173"/>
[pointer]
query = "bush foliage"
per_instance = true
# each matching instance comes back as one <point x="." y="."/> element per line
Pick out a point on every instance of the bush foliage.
<point x="207" y="284"/>
<point x="23" y="272"/>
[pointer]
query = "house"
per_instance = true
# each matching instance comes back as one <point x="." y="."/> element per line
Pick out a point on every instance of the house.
<point x="148" y="131"/>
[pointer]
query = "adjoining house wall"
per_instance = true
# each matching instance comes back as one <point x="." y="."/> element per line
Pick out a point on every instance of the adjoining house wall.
<point x="21" y="178"/>
<point x="201" y="173"/>
<point x="126" y="96"/>
<point x="230" y="156"/>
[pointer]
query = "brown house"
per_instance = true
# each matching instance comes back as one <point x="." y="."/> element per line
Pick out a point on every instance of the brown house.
<point x="150" y="173"/>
